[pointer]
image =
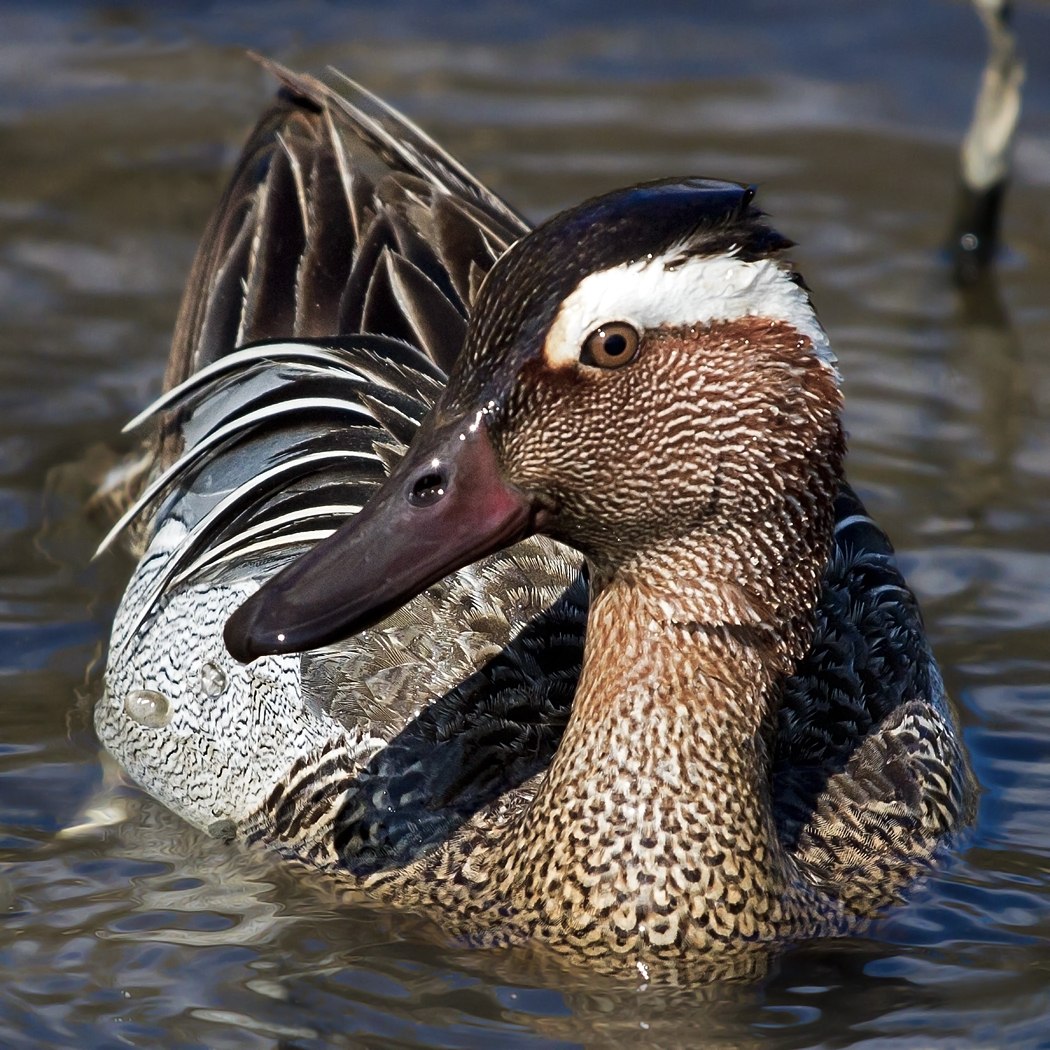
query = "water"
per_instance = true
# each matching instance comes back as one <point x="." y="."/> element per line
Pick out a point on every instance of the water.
<point x="117" y="125"/>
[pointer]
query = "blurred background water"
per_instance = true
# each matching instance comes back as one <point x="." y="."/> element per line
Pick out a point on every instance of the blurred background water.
<point x="118" y="123"/>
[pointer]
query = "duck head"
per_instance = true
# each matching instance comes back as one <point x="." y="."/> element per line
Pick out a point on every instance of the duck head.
<point x="639" y="369"/>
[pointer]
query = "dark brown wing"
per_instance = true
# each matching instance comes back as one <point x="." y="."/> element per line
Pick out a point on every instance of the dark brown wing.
<point x="341" y="218"/>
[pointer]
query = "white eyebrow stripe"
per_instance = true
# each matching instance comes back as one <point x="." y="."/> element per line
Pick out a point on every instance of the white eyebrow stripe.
<point x="700" y="290"/>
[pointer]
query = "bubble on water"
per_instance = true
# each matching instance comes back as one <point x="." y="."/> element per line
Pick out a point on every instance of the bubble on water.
<point x="148" y="707"/>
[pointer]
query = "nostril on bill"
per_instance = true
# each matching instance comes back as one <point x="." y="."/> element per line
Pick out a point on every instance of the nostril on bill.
<point x="428" y="488"/>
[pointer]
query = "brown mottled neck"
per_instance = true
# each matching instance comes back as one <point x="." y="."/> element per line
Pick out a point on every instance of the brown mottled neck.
<point x="654" y="824"/>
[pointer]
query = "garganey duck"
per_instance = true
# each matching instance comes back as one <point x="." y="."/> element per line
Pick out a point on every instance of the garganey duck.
<point x="753" y="743"/>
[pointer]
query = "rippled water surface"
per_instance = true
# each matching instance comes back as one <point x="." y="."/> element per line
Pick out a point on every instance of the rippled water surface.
<point x="119" y="925"/>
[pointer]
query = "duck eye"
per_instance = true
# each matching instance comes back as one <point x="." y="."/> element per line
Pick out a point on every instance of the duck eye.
<point x="611" y="346"/>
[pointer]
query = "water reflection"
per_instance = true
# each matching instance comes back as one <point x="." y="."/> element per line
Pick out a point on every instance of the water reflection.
<point x="988" y="351"/>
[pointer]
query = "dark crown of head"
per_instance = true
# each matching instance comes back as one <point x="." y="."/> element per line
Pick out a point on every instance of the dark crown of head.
<point x="705" y="216"/>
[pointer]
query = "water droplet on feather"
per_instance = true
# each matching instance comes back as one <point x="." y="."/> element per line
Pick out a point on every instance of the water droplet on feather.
<point x="148" y="707"/>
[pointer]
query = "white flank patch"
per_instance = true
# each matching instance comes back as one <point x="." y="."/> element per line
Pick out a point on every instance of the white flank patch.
<point x="698" y="291"/>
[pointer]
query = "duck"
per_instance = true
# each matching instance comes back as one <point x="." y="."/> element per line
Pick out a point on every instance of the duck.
<point x="511" y="575"/>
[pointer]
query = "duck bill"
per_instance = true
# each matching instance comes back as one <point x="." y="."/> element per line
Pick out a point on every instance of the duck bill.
<point x="444" y="506"/>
